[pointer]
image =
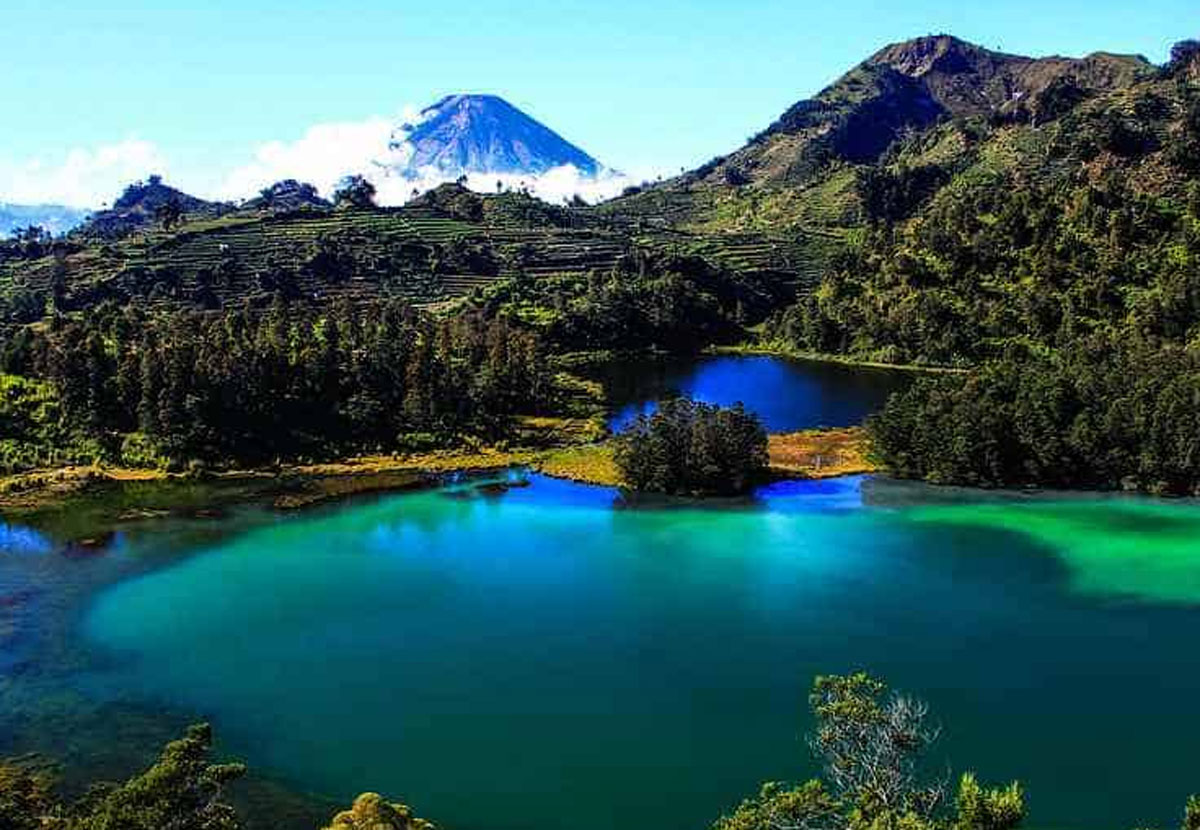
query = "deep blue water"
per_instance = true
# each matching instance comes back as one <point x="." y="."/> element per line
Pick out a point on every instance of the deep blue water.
<point x="787" y="395"/>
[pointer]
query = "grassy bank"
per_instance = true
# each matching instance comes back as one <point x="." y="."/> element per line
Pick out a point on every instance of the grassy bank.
<point x="299" y="485"/>
<point x="780" y="350"/>
<point x="821" y="453"/>
<point x="589" y="464"/>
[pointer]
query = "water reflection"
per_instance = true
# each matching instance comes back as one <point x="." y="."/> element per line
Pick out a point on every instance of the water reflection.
<point x="15" y="539"/>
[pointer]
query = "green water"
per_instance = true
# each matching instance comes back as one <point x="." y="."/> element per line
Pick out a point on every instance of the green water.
<point x="547" y="659"/>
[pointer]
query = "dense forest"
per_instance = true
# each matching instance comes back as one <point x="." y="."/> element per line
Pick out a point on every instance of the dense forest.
<point x="1100" y="413"/>
<point x="1061" y="264"/>
<point x="150" y="389"/>
<point x="666" y="301"/>
<point x="991" y="263"/>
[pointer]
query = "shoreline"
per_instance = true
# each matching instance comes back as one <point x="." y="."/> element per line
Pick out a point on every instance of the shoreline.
<point x="767" y="350"/>
<point x="294" y="485"/>
<point x="809" y="454"/>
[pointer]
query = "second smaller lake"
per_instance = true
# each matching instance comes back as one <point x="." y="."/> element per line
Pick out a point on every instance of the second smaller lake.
<point x="788" y="395"/>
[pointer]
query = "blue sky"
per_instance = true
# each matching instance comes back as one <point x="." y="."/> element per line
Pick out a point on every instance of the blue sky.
<point x="95" y="90"/>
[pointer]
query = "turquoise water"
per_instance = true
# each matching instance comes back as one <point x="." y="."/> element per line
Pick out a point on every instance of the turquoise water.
<point x="548" y="659"/>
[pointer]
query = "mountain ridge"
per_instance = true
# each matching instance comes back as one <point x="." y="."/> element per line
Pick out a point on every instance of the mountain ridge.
<point x="903" y="89"/>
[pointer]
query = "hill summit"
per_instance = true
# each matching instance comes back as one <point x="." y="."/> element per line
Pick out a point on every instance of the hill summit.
<point x="141" y="204"/>
<point x="482" y="134"/>
<point x="940" y="97"/>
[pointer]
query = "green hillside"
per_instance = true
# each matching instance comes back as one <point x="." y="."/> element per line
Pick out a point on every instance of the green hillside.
<point x="424" y="254"/>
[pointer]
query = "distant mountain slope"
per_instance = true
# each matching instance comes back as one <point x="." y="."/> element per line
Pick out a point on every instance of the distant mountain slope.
<point x="1064" y="204"/>
<point x="54" y="218"/>
<point x="802" y="169"/>
<point x="858" y="187"/>
<point x="466" y="134"/>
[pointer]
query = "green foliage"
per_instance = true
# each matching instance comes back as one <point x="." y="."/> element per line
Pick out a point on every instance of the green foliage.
<point x="34" y="431"/>
<point x="182" y="791"/>
<point x="26" y="798"/>
<point x="1191" y="816"/>
<point x="983" y="809"/>
<point x="990" y="261"/>
<point x="894" y="194"/>
<point x="692" y="448"/>
<point x="372" y="812"/>
<point x="872" y="743"/>
<point x="251" y="387"/>
<point x="141" y="452"/>
<point x="671" y="302"/>
<point x="777" y="806"/>
<point x="1101" y="414"/>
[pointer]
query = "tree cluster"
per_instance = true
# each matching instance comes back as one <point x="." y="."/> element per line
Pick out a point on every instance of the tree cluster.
<point x="1100" y="414"/>
<point x="676" y="303"/>
<point x="254" y="386"/>
<point x="875" y="746"/>
<point x="354" y="192"/>
<point x="991" y="263"/>
<point x="690" y="448"/>
<point x="32" y="242"/>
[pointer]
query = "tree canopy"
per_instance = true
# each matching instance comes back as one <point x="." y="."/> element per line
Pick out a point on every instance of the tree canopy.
<point x="691" y="448"/>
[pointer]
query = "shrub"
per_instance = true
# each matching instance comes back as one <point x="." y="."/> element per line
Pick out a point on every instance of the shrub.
<point x="873" y="743"/>
<point x="183" y="791"/>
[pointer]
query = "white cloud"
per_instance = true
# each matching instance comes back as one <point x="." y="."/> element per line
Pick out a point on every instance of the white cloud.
<point x="91" y="177"/>
<point x="322" y="156"/>
<point x="83" y="177"/>
<point x="554" y="185"/>
<point x="374" y="147"/>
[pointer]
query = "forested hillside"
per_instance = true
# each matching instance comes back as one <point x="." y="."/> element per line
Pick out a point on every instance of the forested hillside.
<point x="1036" y="220"/>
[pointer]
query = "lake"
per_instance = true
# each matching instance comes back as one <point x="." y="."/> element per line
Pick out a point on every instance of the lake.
<point x="544" y="657"/>
<point x="787" y="395"/>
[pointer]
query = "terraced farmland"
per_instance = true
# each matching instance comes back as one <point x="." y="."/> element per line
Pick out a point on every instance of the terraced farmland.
<point x="362" y="255"/>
